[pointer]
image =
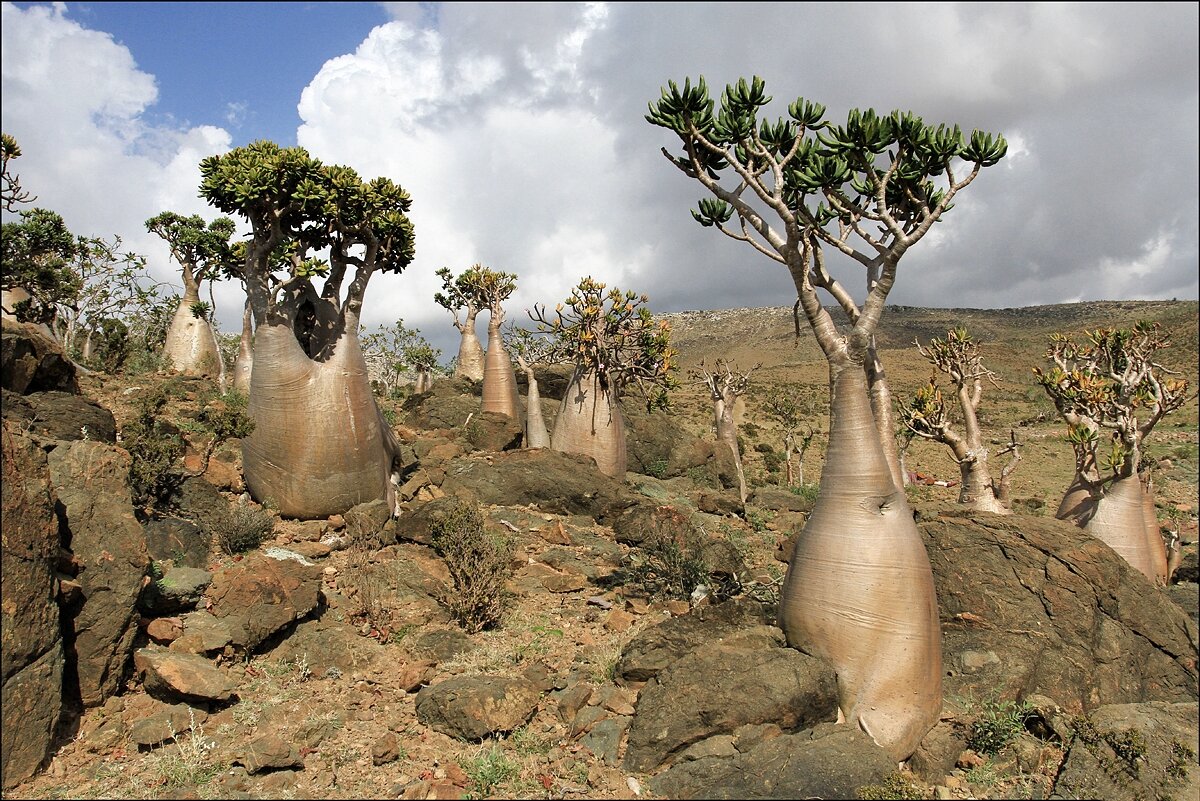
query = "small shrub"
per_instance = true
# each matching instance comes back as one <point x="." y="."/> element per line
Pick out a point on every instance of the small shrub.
<point x="997" y="725"/>
<point x="657" y="469"/>
<point x="487" y="771"/>
<point x="154" y="446"/>
<point x="808" y="492"/>
<point x="670" y="560"/>
<point x="242" y="528"/>
<point x="479" y="560"/>
<point x="896" y="786"/>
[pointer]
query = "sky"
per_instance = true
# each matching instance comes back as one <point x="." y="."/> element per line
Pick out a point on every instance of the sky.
<point x="519" y="131"/>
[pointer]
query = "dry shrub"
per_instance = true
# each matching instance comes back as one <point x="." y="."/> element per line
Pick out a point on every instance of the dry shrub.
<point x="670" y="561"/>
<point x="479" y="559"/>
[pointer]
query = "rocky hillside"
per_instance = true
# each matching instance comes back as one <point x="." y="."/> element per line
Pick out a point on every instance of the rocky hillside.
<point x="203" y="647"/>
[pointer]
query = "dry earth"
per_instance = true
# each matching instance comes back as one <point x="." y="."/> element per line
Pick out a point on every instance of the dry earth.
<point x="580" y="630"/>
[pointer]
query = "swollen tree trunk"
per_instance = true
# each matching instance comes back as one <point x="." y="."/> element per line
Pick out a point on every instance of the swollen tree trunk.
<point x="470" y="351"/>
<point x="320" y="445"/>
<point x="590" y="423"/>
<point x="859" y="590"/>
<point x="423" y="381"/>
<point x="536" y="433"/>
<point x="499" y="381"/>
<point x="1115" y="513"/>
<point x="244" y="362"/>
<point x="191" y="344"/>
<point x="727" y="434"/>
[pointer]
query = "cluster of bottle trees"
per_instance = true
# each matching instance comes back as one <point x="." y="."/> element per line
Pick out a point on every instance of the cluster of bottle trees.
<point x="859" y="590"/>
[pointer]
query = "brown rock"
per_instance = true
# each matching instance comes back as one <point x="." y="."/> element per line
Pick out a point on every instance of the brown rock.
<point x="173" y="676"/>
<point x="164" y="630"/>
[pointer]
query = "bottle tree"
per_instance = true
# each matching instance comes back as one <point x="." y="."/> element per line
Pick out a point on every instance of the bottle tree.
<point x="465" y="292"/>
<point x="614" y="343"/>
<point x="531" y="349"/>
<point x="859" y="589"/>
<point x="320" y="444"/>
<point x="204" y="253"/>
<point x="499" y="380"/>
<point x="724" y="384"/>
<point x="928" y="416"/>
<point x="1111" y="390"/>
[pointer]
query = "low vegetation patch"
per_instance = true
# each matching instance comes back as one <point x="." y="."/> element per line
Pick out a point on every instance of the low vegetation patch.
<point x="479" y="560"/>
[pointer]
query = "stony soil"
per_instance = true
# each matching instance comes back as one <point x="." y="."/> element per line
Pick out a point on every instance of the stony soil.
<point x="576" y="634"/>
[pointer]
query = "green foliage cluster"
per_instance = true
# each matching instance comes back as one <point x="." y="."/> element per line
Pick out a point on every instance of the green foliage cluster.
<point x="670" y="561"/>
<point x="487" y="771"/>
<point x="155" y="446"/>
<point x="998" y="724"/>
<point x="896" y="786"/>
<point x="479" y="559"/>
<point x="1103" y="383"/>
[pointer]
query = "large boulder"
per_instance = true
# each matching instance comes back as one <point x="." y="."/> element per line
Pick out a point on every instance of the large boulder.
<point x="658" y="446"/>
<point x="448" y="404"/>
<point x="32" y="361"/>
<point x="473" y="707"/>
<point x="1033" y="605"/>
<point x="91" y="480"/>
<point x="60" y="415"/>
<point x="1126" y="752"/>
<point x="658" y="647"/>
<point x="554" y="482"/>
<point x="828" y="761"/>
<point x="721" y="688"/>
<point x="31" y="650"/>
<point x="263" y="593"/>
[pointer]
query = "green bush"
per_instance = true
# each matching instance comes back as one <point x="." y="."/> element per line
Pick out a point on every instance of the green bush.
<point x="479" y="560"/>
<point x="657" y="468"/>
<point x="998" y="724"/>
<point x="155" y="446"/>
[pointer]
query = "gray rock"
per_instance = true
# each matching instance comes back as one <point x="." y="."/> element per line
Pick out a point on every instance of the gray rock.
<point x="604" y="738"/>
<point x="30" y="361"/>
<point x="179" y="589"/>
<point x="442" y="645"/>
<point x="165" y="724"/>
<point x="61" y="415"/>
<point x="658" y="446"/>
<point x="717" y="690"/>
<point x="176" y="540"/>
<point x="91" y="480"/>
<point x="1034" y="605"/>
<point x="172" y="676"/>
<point x="493" y="431"/>
<point x="661" y="645"/>
<point x="1133" y="751"/>
<point x="31" y="659"/>
<point x="259" y="596"/>
<point x="558" y="483"/>
<point x="202" y="633"/>
<point x="473" y="707"/>
<point x="828" y="761"/>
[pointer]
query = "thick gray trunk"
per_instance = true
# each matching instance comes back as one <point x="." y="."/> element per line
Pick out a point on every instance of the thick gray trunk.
<point x="590" y="423"/>
<point x="319" y="445"/>
<point x="859" y="590"/>
<point x="190" y="344"/>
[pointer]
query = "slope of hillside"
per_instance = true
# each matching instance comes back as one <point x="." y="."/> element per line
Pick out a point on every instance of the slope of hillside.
<point x="1013" y="342"/>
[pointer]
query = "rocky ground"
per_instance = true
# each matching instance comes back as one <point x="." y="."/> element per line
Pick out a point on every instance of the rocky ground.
<point x="324" y="664"/>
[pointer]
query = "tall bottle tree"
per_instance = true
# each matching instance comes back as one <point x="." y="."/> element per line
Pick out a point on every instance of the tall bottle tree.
<point x="320" y="444"/>
<point x="464" y="292"/>
<point x="1112" y="391"/>
<point x="859" y="589"/>
<point x="614" y="343"/>
<point x="499" y="380"/>
<point x="204" y="253"/>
